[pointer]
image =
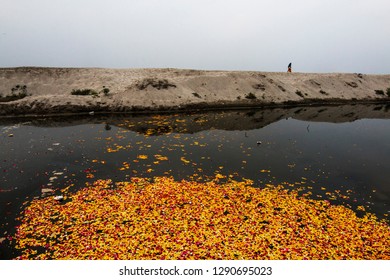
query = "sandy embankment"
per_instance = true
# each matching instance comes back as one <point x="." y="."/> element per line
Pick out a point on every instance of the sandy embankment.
<point x="48" y="90"/>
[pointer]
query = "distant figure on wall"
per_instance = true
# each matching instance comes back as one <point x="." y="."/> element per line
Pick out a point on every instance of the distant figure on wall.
<point x="289" y="68"/>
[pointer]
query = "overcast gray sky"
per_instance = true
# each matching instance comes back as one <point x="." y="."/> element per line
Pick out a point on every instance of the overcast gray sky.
<point x="263" y="35"/>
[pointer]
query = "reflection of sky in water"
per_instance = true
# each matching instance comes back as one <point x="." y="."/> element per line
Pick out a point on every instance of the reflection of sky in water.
<point x="352" y="158"/>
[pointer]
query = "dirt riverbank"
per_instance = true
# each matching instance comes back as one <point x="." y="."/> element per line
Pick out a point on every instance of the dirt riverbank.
<point x="43" y="91"/>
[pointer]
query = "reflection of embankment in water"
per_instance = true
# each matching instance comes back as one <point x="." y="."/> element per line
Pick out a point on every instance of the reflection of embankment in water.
<point x="193" y="122"/>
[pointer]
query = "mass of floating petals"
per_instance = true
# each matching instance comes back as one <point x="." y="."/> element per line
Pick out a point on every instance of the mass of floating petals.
<point x="162" y="218"/>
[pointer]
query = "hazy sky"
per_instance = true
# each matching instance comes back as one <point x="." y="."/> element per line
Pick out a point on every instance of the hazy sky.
<point x="263" y="35"/>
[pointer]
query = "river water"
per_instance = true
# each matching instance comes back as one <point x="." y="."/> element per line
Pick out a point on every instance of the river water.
<point x="337" y="153"/>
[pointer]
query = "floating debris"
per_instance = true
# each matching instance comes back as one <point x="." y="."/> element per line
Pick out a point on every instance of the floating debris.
<point x="59" y="198"/>
<point x="142" y="157"/>
<point x="47" y="190"/>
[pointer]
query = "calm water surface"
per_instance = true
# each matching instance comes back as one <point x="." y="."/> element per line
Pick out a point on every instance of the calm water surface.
<point x="333" y="155"/>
